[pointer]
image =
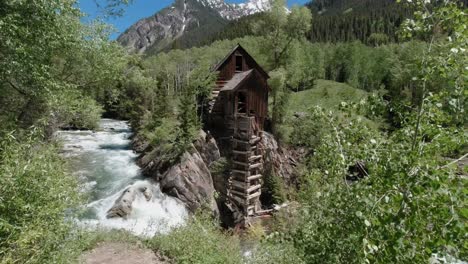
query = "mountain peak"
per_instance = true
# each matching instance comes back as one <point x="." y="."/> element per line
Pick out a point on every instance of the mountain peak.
<point x="185" y="16"/>
<point x="235" y="11"/>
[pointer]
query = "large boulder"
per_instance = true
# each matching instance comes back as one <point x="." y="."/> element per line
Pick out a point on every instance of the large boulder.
<point x="189" y="179"/>
<point x="123" y="205"/>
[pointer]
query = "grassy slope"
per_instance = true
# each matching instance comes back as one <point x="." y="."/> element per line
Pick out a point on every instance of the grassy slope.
<point x="327" y="94"/>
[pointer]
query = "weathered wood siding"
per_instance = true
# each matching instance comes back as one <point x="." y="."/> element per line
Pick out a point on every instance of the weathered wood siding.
<point x="256" y="90"/>
<point x="228" y="69"/>
<point x="257" y="98"/>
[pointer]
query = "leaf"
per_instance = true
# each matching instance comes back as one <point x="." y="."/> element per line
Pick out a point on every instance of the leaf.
<point x="367" y="223"/>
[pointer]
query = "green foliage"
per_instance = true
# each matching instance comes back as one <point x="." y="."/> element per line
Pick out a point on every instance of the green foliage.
<point x="280" y="98"/>
<point x="327" y="94"/>
<point x="378" y="39"/>
<point x="200" y="241"/>
<point x="350" y="20"/>
<point x="393" y="215"/>
<point x="275" y="188"/>
<point x="410" y="206"/>
<point x="61" y="56"/>
<point x="36" y="194"/>
<point x="53" y="70"/>
<point x="75" y="111"/>
<point x="189" y="124"/>
<point x="281" y="252"/>
<point x="281" y="29"/>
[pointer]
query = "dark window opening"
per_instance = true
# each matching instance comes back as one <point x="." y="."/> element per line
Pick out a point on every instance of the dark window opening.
<point x="241" y="103"/>
<point x="239" y="63"/>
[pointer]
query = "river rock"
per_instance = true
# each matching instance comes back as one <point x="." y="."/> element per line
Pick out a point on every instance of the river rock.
<point x="123" y="205"/>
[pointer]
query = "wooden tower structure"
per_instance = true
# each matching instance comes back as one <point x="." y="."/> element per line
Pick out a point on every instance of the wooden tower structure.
<point x="237" y="112"/>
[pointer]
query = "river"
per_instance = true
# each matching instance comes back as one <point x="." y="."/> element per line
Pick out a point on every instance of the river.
<point x="105" y="165"/>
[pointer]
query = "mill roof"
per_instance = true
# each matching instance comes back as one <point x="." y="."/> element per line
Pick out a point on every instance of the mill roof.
<point x="237" y="80"/>
<point x="239" y="48"/>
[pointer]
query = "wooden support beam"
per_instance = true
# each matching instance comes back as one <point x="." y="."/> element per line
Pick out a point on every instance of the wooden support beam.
<point x="255" y="166"/>
<point x="239" y="184"/>
<point x="240" y="163"/>
<point x="254" y="188"/>
<point x="241" y="141"/>
<point x="254" y="195"/>
<point x="255" y="140"/>
<point x="238" y="194"/>
<point x="241" y="172"/>
<point x="254" y="177"/>
<point x="251" y="210"/>
<point x="255" y="158"/>
<point x="242" y="152"/>
<point x="239" y="201"/>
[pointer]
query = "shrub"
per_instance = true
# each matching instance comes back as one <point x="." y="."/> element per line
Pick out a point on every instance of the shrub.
<point x="36" y="194"/>
<point x="72" y="109"/>
<point x="406" y="210"/>
<point x="199" y="241"/>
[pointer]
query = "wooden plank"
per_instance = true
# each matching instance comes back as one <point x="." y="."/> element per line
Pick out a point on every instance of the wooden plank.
<point x="239" y="177"/>
<point x="239" y="201"/>
<point x="238" y="194"/>
<point x="251" y="210"/>
<point x="254" y="158"/>
<point x="255" y="166"/>
<point x="254" y="188"/>
<point x="254" y="177"/>
<point x="240" y="172"/>
<point x="244" y="147"/>
<point x="246" y="165"/>
<point x="241" y="141"/>
<point x="240" y="152"/>
<point x="239" y="184"/>
<point x="255" y="195"/>
<point x="255" y="140"/>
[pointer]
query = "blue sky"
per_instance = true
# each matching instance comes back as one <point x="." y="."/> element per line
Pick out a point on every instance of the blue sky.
<point x="140" y="9"/>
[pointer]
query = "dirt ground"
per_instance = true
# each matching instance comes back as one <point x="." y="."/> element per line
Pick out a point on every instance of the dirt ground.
<point x="121" y="253"/>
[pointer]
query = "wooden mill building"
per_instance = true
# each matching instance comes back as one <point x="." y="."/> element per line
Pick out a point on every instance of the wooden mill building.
<point x="241" y="89"/>
<point x="237" y="113"/>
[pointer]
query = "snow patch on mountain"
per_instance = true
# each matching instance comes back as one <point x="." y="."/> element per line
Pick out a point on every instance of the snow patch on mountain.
<point x="235" y="11"/>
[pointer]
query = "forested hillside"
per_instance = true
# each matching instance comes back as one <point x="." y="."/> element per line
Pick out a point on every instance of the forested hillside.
<point x="371" y="22"/>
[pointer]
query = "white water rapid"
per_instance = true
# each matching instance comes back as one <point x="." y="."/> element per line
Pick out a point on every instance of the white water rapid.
<point x="105" y="165"/>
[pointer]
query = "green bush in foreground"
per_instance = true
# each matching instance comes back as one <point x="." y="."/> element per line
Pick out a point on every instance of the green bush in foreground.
<point x="35" y="195"/>
<point x="199" y="241"/>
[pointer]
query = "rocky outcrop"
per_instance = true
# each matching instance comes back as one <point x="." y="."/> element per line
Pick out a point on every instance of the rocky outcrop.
<point x="189" y="179"/>
<point x="200" y="173"/>
<point x="278" y="160"/>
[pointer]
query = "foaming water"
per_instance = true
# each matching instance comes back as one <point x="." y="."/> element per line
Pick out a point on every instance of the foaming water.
<point x="105" y="166"/>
